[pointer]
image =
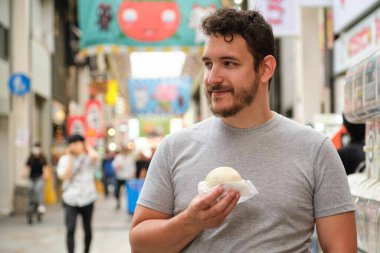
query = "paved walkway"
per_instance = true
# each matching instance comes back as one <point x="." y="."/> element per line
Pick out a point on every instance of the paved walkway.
<point x="110" y="231"/>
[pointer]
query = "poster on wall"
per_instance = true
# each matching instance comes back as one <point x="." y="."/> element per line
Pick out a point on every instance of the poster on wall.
<point x="143" y="23"/>
<point x="161" y="96"/>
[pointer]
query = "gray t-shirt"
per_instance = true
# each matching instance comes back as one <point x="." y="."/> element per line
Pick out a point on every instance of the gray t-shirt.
<point x="296" y="170"/>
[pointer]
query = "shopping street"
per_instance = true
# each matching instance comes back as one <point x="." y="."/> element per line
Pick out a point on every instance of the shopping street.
<point x="110" y="231"/>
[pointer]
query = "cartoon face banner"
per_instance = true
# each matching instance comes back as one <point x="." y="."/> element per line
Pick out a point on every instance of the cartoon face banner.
<point x="164" y="96"/>
<point x="142" y="23"/>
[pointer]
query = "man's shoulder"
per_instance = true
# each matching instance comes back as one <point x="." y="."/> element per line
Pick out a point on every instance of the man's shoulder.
<point x="299" y="131"/>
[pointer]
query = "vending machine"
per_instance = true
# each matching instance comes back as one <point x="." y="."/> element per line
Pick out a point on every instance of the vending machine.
<point x="362" y="105"/>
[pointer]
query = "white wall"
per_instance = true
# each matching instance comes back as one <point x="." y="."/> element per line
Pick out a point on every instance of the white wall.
<point x="4" y="91"/>
<point x="4" y="12"/>
<point x="42" y="47"/>
<point x="290" y="62"/>
<point x="4" y="65"/>
<point x="41" y="78"/>
<point x="6" y="177"/>
<point x="310" y="90"/>
<point x="20" y="116"/>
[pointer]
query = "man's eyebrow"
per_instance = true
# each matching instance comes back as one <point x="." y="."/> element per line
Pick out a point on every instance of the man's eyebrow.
<point x="205" y="58"/>
<point x="227" y="57"/>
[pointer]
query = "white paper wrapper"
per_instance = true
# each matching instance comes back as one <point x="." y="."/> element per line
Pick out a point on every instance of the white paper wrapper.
<point x="246" y="189"/>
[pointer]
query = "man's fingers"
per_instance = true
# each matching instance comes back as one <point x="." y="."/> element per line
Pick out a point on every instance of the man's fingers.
<point x="226" y="202"/>
<point x="206" y="201"/>
<point x="232" y="205"/>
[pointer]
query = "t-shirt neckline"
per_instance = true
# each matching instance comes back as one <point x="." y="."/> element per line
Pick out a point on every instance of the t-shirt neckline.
<point x="254" y="130"/>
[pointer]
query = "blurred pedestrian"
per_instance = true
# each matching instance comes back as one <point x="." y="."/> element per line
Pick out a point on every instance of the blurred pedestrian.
<point x="108" y="170"/>
<point x="352" y="154"/>
<point x="77" y="170"/>
<point x="35" y="169"/>
<point x="300" y="179"/>
<point x="125" y="168"/>
<point x="142" y="164"/>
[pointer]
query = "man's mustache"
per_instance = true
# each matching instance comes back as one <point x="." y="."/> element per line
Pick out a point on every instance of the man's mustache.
<point x="219" y="88"/>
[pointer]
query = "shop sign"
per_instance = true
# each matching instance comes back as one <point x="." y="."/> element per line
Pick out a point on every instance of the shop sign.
<point x="282" y="15"/>
<point x="315" y="3"/>
<point x="154" y="126"/>
<point x="19" y="84"/>
<point x="76" y="125"/>
<point x="97" y="87"/>
<point x="346" y="11"/>
<point x="94" y="118"/>
<point x="161" y="96"/>
<point x="357" y="43"/>
<point x="143" y="23"/>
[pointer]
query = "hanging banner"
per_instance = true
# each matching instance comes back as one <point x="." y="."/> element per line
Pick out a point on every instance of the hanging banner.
<point x="282" y="15"/>
<point x="94" y="118"/>
<point x="159" y="96"/>
<point x="143" y="23"/>
<point x="154" y="126"/>
<point x="112" y="92"/>
<point x="76" y="125"/>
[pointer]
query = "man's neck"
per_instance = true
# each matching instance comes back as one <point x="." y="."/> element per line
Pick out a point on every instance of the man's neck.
<point x="249" y="118"/>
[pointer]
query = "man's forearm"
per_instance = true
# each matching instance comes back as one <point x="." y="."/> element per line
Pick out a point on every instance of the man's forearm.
<point x="162" y="235"/>
<point x="68" y="170"/>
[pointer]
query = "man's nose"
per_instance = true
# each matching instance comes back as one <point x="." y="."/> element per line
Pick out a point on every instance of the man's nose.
<point x="214" y="76"/>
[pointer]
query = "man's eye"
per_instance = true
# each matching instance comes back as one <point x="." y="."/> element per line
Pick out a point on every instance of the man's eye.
<point x="207" y="64"/>
<point x="229" y="64"/>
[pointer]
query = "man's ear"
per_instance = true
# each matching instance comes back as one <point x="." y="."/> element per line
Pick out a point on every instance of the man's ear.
<point x="268" y="66"/>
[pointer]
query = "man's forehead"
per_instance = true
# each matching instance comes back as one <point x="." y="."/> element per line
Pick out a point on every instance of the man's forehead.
<point x="224" y="49"/>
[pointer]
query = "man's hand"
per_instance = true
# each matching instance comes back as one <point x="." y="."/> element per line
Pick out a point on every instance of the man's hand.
<point x="211" y="210"/>
<point x="91" y="152"/>
<point x="153" y="231"/>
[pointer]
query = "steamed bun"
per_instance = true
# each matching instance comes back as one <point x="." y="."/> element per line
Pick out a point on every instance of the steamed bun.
<point x="222" y="175"/>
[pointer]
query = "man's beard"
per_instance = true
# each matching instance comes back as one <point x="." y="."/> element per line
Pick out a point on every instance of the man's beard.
<point x="242" y="98"/>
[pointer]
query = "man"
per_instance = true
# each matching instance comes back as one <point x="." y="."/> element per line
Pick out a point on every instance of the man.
<point x="299" y="176"/>
<point x="125" y="169"/>
<point x="77" y="170"/>
<point x="352" y="154"/>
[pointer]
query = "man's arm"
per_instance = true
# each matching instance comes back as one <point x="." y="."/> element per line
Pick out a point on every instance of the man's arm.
<point x="337" y="233"/>
<point x="91" y="152"/>
<point x="153" y="231"/>
<point x="65" y="167"/>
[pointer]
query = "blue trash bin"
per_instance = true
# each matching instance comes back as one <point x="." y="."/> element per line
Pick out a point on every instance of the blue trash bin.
<point x="133" y="187"/>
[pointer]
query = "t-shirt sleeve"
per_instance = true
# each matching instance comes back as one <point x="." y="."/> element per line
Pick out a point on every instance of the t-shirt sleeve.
<point x="331" y="190"/>
<point x="157" y="192"/>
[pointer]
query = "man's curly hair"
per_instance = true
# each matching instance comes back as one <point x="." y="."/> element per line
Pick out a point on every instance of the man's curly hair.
<point x="250" y="25"/>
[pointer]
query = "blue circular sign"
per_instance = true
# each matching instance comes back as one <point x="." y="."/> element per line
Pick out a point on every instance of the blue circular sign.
<point x="19" y="84"/>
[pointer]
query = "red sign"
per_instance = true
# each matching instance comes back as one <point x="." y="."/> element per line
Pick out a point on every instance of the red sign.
<point x="94" y="118"/>
<point x="76" y="125"/>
